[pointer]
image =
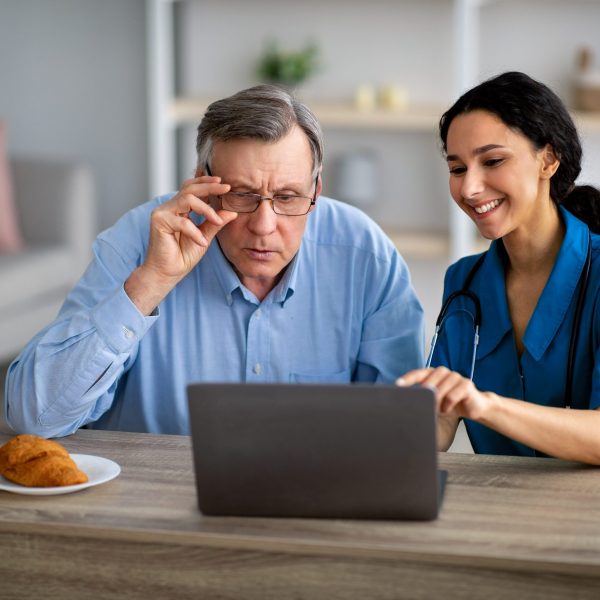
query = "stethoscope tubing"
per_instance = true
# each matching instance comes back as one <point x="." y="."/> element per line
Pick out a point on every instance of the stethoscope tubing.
<point x="477" y="318"/>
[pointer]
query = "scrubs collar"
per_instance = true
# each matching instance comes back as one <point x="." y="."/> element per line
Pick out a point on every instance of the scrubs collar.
<point x="489" y="285"/>
<point x="560" y="289"/>
<point x="553" y="304"/>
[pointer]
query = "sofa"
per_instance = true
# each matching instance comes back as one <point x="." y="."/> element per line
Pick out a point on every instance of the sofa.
<point x="57" y="217"/>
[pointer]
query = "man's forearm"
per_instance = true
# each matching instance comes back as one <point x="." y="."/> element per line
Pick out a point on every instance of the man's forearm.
<point x="146" y="290"/>
<point x="65" y="377"/>
<point x="55" y="388"/>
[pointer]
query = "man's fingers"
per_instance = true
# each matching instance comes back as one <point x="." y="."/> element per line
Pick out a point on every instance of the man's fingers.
<point x="201" y="179"/>
<point x="194" y="198"/>
<point x="210" y="229"/>
<point x="171" y="223"/>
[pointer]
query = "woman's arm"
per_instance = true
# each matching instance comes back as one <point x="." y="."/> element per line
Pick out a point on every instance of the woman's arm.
<point x="563" y="433"/>
<point x="446" y="431"/>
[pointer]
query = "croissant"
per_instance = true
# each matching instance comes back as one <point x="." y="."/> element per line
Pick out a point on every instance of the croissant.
<point x="36" y="462"/>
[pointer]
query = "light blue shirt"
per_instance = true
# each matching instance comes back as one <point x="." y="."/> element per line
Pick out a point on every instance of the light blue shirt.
<point x="539" y="374"/>
<point x="344" y="311"/>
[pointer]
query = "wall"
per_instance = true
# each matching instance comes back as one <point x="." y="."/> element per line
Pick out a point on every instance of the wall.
<point x="72" y="86"/>
<point x="407" y="42"/>
<point x="72" y="76"/>
<point x="542" y="37"/>
<point x="384" y="42"/>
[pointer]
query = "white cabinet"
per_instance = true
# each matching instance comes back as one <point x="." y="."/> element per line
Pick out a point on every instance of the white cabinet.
<point x="450" y="40"/>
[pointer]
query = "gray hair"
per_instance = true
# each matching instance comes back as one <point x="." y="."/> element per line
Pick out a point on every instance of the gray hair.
<point x="263" y="112"/>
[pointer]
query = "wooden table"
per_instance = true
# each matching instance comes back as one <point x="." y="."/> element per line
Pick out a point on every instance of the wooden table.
<point x="509" y="528"/>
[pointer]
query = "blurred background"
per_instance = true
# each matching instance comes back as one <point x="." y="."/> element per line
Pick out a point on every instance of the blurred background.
<point x="115" y="88"/>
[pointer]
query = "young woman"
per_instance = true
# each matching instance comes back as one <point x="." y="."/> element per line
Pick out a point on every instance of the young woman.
<point x="531" y="386"/>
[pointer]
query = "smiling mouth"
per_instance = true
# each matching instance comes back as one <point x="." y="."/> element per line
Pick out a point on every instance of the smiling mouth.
<point x="485" y="208"/>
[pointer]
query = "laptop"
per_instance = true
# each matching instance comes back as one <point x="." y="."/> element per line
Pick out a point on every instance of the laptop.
<point x="320" y="451"/>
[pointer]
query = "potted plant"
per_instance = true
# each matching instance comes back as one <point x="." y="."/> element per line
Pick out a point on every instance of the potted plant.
<point x="285" y="67"/>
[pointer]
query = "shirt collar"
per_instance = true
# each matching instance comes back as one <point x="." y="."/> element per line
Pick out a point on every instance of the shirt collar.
<point x="229" y="280"/>
<point x="287" y="285"/>
<point x="560" y="288"/>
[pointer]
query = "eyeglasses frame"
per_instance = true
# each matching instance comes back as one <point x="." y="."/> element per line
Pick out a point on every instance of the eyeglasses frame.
<point x="313" y="200"/>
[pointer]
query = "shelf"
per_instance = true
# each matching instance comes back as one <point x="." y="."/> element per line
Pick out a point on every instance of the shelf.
<point x="419" y="118"/>
<point x="167" y="112"/>
<point x="348" y="117"/>
<point x="339" y="114"/>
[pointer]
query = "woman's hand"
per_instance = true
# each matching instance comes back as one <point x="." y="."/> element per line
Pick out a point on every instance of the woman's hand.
<point x="455" y="395"/>
<point x="566" y="434"/>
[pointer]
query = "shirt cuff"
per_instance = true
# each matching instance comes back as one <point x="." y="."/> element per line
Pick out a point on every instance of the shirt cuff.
<point x="119" y="322"/>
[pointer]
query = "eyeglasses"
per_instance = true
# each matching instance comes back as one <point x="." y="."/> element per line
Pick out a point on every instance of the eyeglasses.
<point x="282" y="204"/>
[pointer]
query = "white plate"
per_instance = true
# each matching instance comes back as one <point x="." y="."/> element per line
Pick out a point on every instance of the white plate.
<point x="99" y="470"/>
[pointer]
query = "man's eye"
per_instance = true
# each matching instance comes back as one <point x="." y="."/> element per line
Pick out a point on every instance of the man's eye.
<point x="243" y="194"/>
<point x="285" y="197"/>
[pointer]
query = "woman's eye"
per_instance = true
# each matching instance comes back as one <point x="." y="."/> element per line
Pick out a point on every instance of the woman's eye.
<point x="493" y="162"/>
<point x="457" y="170"/>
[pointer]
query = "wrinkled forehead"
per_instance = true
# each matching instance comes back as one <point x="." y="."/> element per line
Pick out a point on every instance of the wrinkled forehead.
<point x="289" y="157"/>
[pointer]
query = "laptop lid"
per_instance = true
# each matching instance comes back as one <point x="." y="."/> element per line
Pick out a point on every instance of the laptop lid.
<point x="305" y="450"/>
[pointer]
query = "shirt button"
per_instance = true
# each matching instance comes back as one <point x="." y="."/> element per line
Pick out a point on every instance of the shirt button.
<point x="127" y="332"/>
<point x="257" y="313"/>
<point x="257" y="368"/>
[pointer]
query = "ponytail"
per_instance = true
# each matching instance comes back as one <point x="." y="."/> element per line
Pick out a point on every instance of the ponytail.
<point x="584" y="202"/>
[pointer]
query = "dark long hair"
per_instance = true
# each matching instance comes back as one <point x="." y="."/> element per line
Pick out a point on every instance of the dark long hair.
<point x="532" y="108"/>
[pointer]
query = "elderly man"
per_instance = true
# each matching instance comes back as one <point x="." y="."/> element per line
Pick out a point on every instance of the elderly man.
<point x="244" y="275"/>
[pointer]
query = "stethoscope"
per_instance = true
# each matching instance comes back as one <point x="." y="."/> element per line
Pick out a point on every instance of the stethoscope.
<point x="465" y="292"/>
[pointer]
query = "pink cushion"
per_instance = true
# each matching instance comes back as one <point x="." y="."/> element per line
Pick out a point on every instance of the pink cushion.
<point x="10" y="235"/>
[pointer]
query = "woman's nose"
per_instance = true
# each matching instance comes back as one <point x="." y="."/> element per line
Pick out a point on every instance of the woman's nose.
<point x="472" y="183"/>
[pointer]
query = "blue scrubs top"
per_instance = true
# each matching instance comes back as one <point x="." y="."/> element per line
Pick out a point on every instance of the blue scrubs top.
<point x="540" y="374"/>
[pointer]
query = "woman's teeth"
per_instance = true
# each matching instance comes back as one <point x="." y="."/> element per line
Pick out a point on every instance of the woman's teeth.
<point x="480" y="210"/>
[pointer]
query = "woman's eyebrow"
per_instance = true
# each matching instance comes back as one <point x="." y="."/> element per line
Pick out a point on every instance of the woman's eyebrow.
<point x="477" y="151"/>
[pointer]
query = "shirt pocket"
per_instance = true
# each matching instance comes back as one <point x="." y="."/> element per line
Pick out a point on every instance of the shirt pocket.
<point x="339" y="377"/>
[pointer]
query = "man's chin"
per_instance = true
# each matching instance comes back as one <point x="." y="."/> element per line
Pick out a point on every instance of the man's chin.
<point x="261" y="274"/>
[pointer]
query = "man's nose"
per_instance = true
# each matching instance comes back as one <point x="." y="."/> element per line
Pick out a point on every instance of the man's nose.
<point x="263" y="220"/>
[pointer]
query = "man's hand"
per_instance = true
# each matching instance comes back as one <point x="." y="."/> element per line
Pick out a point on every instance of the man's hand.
<point x="176" y="244"/>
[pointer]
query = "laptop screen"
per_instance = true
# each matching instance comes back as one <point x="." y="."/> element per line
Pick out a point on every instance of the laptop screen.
<point x="304" y="450"/>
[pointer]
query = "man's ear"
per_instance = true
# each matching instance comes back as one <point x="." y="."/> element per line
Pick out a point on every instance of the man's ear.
<point x="550" y="162"/>
<point x="199" y="172"/>
<point x="319" y="187"/>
